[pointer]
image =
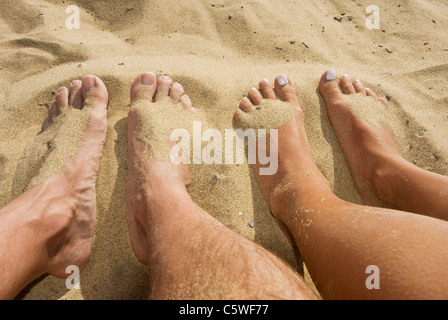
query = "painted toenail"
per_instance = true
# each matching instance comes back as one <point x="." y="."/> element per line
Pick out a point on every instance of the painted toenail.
<point x="357" y="81"/>
<point x="148" y="78"/>
<point x="331" y="75"/>
<point x="345" y="76"/>
<point x="282" y="80"/>
<point x="88" y="82"/>
<point x="265" y="81"/>
<point x="253" y="89"/>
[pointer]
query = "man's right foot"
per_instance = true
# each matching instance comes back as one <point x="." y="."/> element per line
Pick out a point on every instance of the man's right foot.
<point x="370" y="151"/>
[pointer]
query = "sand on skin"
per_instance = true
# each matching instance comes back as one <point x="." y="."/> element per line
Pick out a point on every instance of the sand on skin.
<point x="218" y="60"/>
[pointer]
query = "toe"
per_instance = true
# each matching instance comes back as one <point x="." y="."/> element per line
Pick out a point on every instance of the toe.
<point x="176" y="92"/>
<point x="95" y="94"/>
<point x="144" y="87"/>
<point x="236" y="116"/>
<point x="61" y="100"/>
<point x="372" y="94"/>
<point x="75" y="95"/>
<point x="186" y="102"/>
<point x="359" y="87"/>
<point x="347" y="85"/>
<point x="52" y="111"/>
<point x="267" y="90"/>
<point x="246" y="105"/>
<point x="329" y="88"/>
<point x="164" y="84"/>
<point x="285" y="90"/>
<point x="255" y="96"/>
<point x="384" y="101"/>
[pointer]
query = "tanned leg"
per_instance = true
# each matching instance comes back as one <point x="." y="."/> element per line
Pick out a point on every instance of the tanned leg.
<point x="338" y="240"/>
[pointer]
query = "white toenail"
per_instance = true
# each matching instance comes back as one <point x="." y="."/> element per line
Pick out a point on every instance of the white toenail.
<point x="331" y="75"/>
<point x="345" y="76"/>
<point x="265" y="80"/>
<point x="367" y="89"/>
<point x="282" y="80"/>
<point x="357" y="81"/>
<point x="253" y="89"/>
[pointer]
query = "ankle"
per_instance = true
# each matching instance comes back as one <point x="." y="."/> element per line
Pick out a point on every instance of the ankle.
<point x="385" y="178"/>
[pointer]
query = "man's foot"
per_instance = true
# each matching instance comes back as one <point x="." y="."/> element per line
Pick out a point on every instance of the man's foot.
<point x="149" y="177"/>
<point x="369" y="150"/>
<point x="68" y="199"/>
<point x="294" y="159"/>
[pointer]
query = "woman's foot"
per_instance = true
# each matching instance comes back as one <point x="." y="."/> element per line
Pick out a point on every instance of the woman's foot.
<point x="370" y="151"/>
<point x="150" y="173"/>
<point x="294" y="159"/>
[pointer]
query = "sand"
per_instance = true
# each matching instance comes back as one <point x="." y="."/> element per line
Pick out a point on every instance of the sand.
<point x="218" y="50"/>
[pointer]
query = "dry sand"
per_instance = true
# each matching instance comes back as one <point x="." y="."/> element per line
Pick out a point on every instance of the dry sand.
<point x="218" y="50"/>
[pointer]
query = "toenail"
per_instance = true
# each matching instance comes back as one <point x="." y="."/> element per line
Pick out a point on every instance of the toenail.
<point x="253" y="89"/>
<point x="282" y="80"/>
<point x="331" y="75"/>
<point x="177" y="84"/>
<point x="265" y="81"/>
<point x="74" y="83"/>
<point x="148" y="78"/>
<point x="165" y="78"/>
<point x="88" y="82"/>
<point x="357" y="81"/>
<point x="345" y="76"/>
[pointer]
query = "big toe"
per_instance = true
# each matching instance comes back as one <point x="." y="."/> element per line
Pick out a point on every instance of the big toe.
<point x="144" y="87"/>
<point x="329" y="88"/>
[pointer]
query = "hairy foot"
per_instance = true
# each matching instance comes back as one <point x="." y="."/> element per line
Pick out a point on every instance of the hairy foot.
<point x="369" y="150"/>
<point x="68" y="200"/>
<point x="148" y="177"/>
<point x="294" y="159"/>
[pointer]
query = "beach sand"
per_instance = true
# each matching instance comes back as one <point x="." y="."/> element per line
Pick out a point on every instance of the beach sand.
<point x="217" y="50"/>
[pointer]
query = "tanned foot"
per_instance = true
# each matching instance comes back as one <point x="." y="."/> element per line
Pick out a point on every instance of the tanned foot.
<point x="68" y="200"/>
<point x="294" y="159"/>
<point x="148" y="178"/>
<point x="369" y="150"/>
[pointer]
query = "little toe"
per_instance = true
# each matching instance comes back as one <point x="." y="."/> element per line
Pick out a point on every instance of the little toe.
<point x="285" y="90"/>
<point x="144" y="87"/>
<point x="75" y="95"/>
<point x="52" y="111"/>
<point x="347" y="85"/>
<point x="176" y="92"/>
<point x="246" y="105"/>
<point x="372" y="94"/>
<point x="359" y="87"/>
<point x="164" y="84"/>
<point x="255" y="96"/>
<point x="61" y="100"/>
<point x="186" y="102"/>
<point x="267" y="90"/>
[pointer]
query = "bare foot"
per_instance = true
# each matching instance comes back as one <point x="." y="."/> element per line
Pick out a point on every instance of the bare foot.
<point x="294" y="159"/>
<point x="69" y="200"/>
<point x="369" y="150"/>
<point x="147" y="178"/>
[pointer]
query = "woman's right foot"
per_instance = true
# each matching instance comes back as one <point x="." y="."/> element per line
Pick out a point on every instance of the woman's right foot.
<point x="370" y="151"/>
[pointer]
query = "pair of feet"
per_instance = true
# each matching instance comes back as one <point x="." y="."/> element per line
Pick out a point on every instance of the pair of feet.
<point x="361" y="144"/>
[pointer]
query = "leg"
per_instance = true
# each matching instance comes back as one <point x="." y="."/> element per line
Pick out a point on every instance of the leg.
<point x="339" y="240"/>
<point x="374" y="160"/>
<point x="189" y="254"/>
<point x="50" y="226"/>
